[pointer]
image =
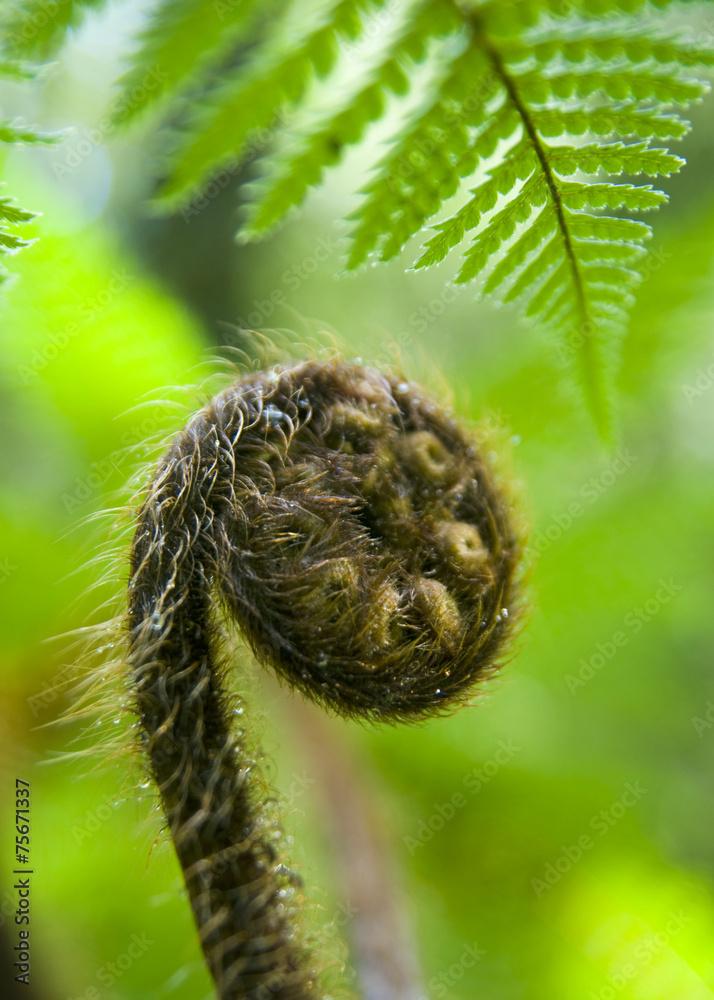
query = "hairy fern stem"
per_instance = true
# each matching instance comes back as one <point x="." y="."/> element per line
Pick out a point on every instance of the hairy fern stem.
<point x="197" y="760"/>
<point x="351" y="530"/>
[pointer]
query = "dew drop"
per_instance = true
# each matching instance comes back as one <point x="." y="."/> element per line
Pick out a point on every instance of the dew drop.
<point x="403" y="387"/>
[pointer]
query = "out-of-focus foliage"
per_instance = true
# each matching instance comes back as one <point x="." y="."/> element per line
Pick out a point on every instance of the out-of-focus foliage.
<point x="491" y="86"/>
<point x="559" y="829"/>
<point x="498" y="94"/>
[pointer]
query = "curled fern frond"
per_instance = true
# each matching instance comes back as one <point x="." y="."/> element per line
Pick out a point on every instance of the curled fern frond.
<point x="354" y="533"/>
<point x="523" y="109"/>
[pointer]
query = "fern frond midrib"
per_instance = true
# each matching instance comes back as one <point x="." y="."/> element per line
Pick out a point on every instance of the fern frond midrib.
<point x="589" y="360"/>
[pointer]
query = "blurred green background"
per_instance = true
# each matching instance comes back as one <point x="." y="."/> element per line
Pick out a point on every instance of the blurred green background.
<point x="561" y="829"/>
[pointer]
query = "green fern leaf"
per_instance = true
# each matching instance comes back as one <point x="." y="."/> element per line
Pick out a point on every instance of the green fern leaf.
<point x="10" y="132"/>
<point x="249" y="99"/>
<point x="12" y="69"/>
<point x="539" y="229"/>
<point x="551" y="253"/>
<point x="389" y="206"/>
<point x="623" y="121"/>
<point x="603" y="227"/>
<point x="621" y="44"/>
<point x="634" y="198"/>
<point x="613" y="158"/>
<point x="293" y="175"/>
<point x="10" y="216"/>
<point x="618" y="84"/>
<point x="519" y="164"/>
<point x="501" y="228"/>
<point x="524" y="112"/>
<point x="183" y="40"/>
<point x="596" y="250"/>
<point x="548" y="290"/>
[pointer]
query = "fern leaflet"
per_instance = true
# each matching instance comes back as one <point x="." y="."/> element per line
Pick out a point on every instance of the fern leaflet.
<point x="523" y="109"/>
<point x="12" y="133"/>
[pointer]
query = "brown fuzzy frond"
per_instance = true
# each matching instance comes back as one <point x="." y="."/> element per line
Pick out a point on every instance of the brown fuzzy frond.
<point x="353" y="532"/>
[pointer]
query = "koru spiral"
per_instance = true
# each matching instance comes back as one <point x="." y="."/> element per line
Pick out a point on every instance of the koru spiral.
<point x="352" y="530"/>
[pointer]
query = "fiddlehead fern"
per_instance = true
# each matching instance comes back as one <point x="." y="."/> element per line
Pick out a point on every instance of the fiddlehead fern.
<point x="351" y="529"/>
